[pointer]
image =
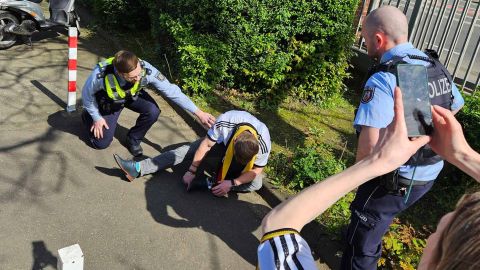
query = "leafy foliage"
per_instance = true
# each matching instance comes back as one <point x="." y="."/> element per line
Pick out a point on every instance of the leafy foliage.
<point x="338" y="215"/>
<point x="271" y="48"/>
<point x="402" y="247"/>
<point x="309" y="164"/>
<point x="202" y="57"/>
<point x="312" y="164"/>
<point x="469" y="116"/>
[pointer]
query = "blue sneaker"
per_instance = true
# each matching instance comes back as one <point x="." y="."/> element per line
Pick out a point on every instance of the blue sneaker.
<point x="128" y="167"/>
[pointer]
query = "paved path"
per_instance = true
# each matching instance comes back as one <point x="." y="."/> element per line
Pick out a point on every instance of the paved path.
<point x="55" y="191"/>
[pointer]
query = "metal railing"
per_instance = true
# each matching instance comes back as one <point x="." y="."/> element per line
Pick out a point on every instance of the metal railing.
<point x="451" y="27"/>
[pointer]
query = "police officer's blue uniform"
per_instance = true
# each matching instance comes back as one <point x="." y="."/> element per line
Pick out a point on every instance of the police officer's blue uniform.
<point x="374" y="206"/>
<point x="98" y="105"/>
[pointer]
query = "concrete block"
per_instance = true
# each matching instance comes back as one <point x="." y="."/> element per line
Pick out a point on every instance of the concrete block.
<point x="70" y="258"/>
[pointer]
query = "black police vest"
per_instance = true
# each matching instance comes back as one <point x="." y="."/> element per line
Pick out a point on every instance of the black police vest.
<point x="440" y="92"/>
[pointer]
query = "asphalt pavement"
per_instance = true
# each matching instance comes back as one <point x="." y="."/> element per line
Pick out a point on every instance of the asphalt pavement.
<point x="56" y="191"/>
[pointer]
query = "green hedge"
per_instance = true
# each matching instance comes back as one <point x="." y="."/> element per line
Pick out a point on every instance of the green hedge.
<point x="272" y="48"/>
<point x="469" y="116"/>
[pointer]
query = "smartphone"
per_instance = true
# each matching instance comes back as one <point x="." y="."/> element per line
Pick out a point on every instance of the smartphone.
<point x="413" y="81"/>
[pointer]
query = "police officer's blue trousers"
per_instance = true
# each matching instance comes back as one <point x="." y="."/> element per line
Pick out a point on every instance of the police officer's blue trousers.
<point x="373" y="210"/>
<point x="144" y="105"/>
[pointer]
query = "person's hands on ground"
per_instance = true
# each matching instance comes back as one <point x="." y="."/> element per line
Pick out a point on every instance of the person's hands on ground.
<point x="447" y="139"/>
<point x="188" y="178"/>
<point x="222" y="188"/>
<point x="205" y="118"/>
<point x="97" y="128"/>
<point x="394" y="147"/>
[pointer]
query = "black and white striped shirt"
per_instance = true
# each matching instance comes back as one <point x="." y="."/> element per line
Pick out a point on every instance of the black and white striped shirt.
<point x="284" y="249"/>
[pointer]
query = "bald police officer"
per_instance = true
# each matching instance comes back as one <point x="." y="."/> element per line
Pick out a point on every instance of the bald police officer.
<point x="377" y="202"/>
<point x="118" y="83"/>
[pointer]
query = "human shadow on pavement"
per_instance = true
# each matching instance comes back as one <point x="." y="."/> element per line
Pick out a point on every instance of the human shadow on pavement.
<point x="42" y="257"/>
<point x="121" y="135"/>
<point x="69" y="123"/>
<point x="62" y="120"/>
<point x="230" y="219"/>
<point x="72" y="122"/>
<point x="115" y="172"/>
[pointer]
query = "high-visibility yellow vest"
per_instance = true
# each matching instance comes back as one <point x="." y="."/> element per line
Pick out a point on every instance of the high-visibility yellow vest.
<point x="112" y="87"/>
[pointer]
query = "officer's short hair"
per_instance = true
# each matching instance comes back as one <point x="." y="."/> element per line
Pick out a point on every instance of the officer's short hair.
<point x="245" y="147"/>
<point x="125" y="61"/>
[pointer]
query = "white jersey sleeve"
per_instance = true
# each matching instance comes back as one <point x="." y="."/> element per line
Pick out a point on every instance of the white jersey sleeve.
<point x="284" y="249"/>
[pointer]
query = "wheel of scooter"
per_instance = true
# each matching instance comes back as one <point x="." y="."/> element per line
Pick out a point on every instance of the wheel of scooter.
<point x="75" y="21"/>
<point x="7" y="40"/>
<point x="77" y="24"/>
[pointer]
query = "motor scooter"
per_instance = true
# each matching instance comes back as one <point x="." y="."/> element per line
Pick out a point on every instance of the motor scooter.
<point x="23" y="18"/>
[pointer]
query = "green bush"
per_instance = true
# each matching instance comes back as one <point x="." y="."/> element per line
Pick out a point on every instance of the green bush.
<point x="337" y="216"/>
<point x="202" y="58"/>
<point x="271" y="48"/>
<point x="402" y="247"/>
<point x="313" y="164"/>
<point x="307" y="165"/>
<point x="279" y="169"/>
<point x="469" y="116"/>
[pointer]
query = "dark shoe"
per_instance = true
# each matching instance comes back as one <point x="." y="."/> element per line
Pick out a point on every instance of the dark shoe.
<point x="127" y="166"/>
<point x="135" y="149"/>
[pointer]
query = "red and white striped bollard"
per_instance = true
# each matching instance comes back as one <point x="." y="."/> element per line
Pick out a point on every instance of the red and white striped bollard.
<point x="72" y="69"/>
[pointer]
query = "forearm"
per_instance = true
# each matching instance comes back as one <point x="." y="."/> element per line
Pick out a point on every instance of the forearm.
<point x="313" y="201"/>
<point x="454" y="112"/>
<point x="366" y="142"/>
<point x="362" y="152"/>
<point x="202" y="150"/>
<point x="174" y="93"/>
<point x="247" y="177"/>
<point x="183" y="101"/>
<point x="89" y="89"/>
<point x="469" y="162"/>
<point x="364" y="149"/>
<point x="92" y="108"/>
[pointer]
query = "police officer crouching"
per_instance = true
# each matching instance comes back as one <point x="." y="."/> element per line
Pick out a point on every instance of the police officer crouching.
<point x="117" y="83"/>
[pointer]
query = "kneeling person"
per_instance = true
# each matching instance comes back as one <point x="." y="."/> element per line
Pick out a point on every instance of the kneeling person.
<point x="235" y="150"/>
<point x="118" y="83"/>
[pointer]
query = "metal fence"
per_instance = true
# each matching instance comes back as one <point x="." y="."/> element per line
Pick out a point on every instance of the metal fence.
<point x="451" y="27"/>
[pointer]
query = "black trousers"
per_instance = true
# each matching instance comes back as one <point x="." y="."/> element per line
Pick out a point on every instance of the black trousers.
<point x="373" y="210"/>
<point x="144" y="105"/>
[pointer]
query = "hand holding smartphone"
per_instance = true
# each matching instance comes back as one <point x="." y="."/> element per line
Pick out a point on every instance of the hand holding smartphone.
<point x="413" y="81"/>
